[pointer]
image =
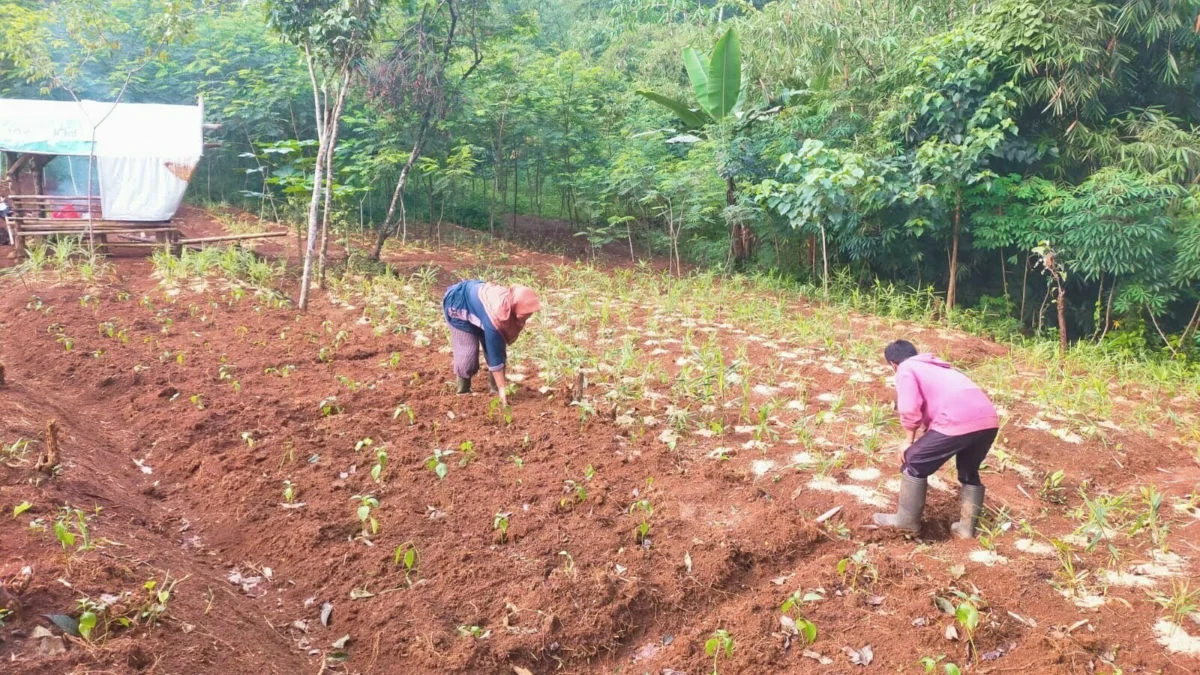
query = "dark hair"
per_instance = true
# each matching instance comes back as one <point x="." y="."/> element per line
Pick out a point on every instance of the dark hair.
<point x="898" y="351"/>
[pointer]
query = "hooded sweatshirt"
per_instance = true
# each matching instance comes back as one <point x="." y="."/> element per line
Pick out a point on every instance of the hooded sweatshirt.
<point x="932" y="394"/>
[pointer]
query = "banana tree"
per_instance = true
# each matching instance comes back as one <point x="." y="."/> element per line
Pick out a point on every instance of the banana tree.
<point x="717" y="82"/>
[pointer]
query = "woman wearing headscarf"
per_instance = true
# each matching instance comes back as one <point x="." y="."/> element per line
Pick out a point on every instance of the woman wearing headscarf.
<point x="480" y="312"/>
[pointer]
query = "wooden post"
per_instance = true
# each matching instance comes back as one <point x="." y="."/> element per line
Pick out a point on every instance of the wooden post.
<point x="1" y="374"/>
<point x="49" y="458"/>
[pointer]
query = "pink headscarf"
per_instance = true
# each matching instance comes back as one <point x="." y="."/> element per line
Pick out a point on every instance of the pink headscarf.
<point x="508" y="307"/>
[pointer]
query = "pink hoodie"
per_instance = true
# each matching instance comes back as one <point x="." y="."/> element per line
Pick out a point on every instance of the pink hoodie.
<point x="932" y="394"/>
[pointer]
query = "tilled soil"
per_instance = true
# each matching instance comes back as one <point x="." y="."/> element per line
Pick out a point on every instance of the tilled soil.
<point x="178" y="433"/>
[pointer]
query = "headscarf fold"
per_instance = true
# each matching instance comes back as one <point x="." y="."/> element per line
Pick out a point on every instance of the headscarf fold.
<point x="508" y="307"/>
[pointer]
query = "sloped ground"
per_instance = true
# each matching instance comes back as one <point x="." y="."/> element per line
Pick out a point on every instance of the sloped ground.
<point x="727" y="417"/>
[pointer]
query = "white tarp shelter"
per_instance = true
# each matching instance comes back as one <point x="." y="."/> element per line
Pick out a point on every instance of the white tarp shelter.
<point x="145" y="153"/>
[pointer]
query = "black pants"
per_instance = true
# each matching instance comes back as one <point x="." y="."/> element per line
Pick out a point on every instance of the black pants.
<point x="930" y="452"/>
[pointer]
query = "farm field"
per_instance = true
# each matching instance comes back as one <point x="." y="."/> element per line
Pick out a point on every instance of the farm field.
<point x="245" y="488"/>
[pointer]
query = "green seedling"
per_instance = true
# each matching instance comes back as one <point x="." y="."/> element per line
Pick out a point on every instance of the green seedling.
<point x="467" y="448"/>
<point x="380" y="464"/>
<point x="645" y="510"/>
<point x="404" y="409"/>
<point x="392" y="362"/>
<point x="1181" y="603"/>
<point x="966" y="613"/>
<point x="406" y="555"/>
<point x="366" y="503"/>
<point x="1052" y="490"/>
<point x="158" y="596"/>
<point x="474" y="632"/>
<point x="248" y="437"/>
<point x="721" y="643"/>
<point x="289" y="491"/>
<point x="500" y="526"/>
<point x="437" y="462"/>
<point x="70" y="527"/>
<point x="21" y="508"/>
<point x="13" y="455"/>
<point x="930" y="664"/>
<point x="517" y="461"/>
<point x="363" y="443"/>
<point x="198" y="401"/>
<point x="857" y="568"/>
<point x="329" y="406"/>
<point x="794" y="621"/>
<point x="495" y="406"/>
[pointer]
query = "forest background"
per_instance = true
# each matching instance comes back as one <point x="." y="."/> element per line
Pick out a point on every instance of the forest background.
<point x="1023" y="168"/>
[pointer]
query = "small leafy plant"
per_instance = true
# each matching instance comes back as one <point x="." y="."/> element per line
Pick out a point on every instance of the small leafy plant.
<point x="1181" y="603"/>
<point x="437" y="463"/>
<point x="289" y="491"/>
<point x="721" y="643"/>
<point x="406" y="555"/>
<point x="793" y="621"/>
<point x="857" y="568"/>
<point x="380" y="464"/>
<point x="405" y="409"/>
<point x="1052" y="490"/>
<point x="930" y="664"/>
<point x="366" y="503"/>
<point x="495" y="406"/>
<point x="644" y="510"/>
<point x="500" y="526"/>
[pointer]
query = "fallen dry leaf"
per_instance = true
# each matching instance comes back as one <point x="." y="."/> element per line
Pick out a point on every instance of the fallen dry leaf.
<point x="860" y="657"/>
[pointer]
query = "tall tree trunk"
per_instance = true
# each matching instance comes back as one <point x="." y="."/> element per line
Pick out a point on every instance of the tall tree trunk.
<point x="737" y="239"/>
<point x="314" y="202"/>
<point x="516" y="189"/>
<point x="497" y="175"/>
<point x="401" y="182"/>
<point x="952" y="287"/>
<point x="332" y="134"/>
<point x="1062" y="319"/>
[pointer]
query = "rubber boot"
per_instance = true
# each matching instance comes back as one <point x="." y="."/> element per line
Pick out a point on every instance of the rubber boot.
<point x="464" y="385"/>
<point x="492" y="388"/>
<point x="911" y="504"/>
<point x="970" y="505"/>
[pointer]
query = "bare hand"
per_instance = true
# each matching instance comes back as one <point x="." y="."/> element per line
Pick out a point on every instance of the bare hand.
<point x="900" y="454"/>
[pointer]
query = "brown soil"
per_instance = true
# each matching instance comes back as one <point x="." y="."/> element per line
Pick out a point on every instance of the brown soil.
<point x="186" y="471"/>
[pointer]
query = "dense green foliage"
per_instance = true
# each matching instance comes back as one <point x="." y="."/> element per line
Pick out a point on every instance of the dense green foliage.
<point x="952" y="145"/>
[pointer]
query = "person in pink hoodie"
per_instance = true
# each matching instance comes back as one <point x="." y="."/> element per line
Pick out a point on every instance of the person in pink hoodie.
<point x="959" y="421"/>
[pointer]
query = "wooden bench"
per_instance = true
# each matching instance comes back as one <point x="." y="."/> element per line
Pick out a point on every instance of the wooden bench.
<point x="53" y="216"/>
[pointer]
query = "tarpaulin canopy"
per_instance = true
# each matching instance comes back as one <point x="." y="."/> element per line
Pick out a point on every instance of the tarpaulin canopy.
<point x="145" y="152"/>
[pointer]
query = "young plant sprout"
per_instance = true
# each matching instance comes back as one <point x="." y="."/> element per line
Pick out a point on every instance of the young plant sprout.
<point x="644" y="510"/>
<point x="366" y="503"/>
<point x="437" y="463"/>
<point x="930" y="663"/>
<point x="406" y="554"/>
<point x="793" y="621"/>
<point x="500" y="525"/>
<point x="289" y="491"/>
<point x="857" y="568"/>
<point x="380" y="464"/>
<point x="1181" y="603"/>
<point x="405" y="409"/>
<point x="721" y="643"/>
<point x="496" y="406"/>
<point x="467" y="448"/>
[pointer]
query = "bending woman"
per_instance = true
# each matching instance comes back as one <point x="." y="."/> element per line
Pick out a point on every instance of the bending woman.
<point x="479" y="312"/>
